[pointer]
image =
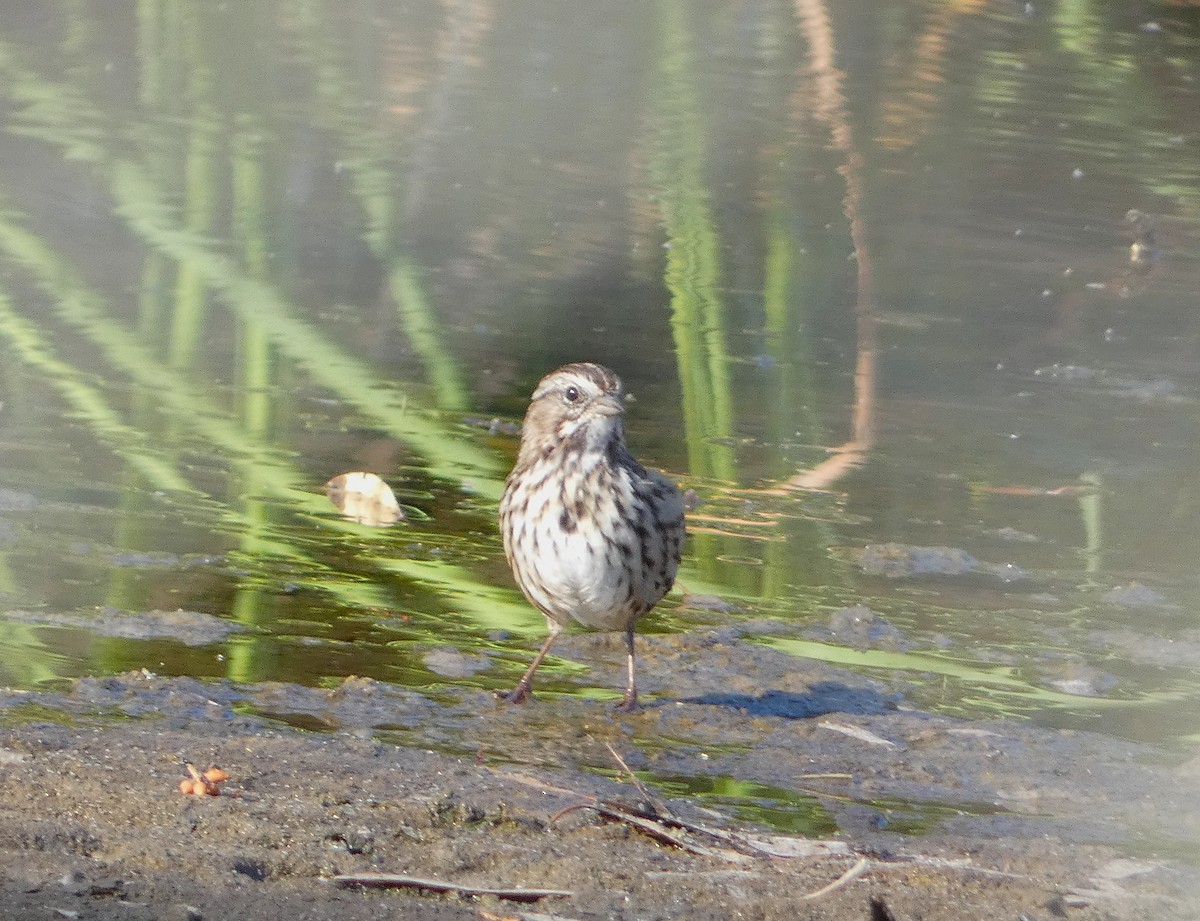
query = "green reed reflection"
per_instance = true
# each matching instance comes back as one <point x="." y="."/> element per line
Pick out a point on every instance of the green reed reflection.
<point x="368" y="157"/>
<point x="267" y="327"/>
<point x="265" y="472"/>
<point x="28" y="344"/>
<point x="142" y="205"/>
<point x="30" y="661"/>
<point x="191" y="288"/>
<point x="693" y="274"/>
<point x="253" y="659"/>
<point x="139" y="203"/>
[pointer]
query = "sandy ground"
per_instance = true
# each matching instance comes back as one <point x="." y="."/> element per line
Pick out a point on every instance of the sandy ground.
<point x="1015" y="821"/>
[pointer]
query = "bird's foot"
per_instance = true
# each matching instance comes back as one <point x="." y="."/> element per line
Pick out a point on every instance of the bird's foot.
<point x="521" y="694"/>
<point x="629" y="703"/>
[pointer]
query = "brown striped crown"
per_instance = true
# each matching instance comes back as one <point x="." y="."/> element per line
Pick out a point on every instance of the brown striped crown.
<point x="577" y="404"/>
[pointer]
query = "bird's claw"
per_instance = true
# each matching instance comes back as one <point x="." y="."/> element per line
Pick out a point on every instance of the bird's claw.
<point x="521" y="694"/>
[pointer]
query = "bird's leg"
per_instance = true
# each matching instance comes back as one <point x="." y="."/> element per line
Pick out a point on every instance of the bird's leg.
<point x="524" y="689"/>
<point x="629" y="702"/>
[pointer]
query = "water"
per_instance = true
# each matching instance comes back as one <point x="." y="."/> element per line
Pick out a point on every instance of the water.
<point x="247" y="247"/>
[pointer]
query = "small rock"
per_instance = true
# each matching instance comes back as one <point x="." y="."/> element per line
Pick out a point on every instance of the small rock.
<point x="707" y="603"/>
<point x="13" y="501"/>
<point x="1134" y="595"/>
<point x="898" y="561"/>
<point x="450" y="663"/>
<point x="1015" y="536"/>
<point x="860" y="627"/>
<point x="1076" y="677"/>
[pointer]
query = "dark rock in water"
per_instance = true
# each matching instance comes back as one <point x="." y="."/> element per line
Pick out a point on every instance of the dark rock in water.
<point x="903" y="561"/>
<point x="192" y="628"/>
<point x="145" y="560"/>
<point x="450" y="663"/>
<point x="495" y="426"/>
<point x="823" y="698"/>
<point x="1134" y="595"/>
<point x="860" y="627"/>
<point x="1072" y="675"/>
<point x="1068" y="373"/>
<point x="707" y="603"/>
<point x="899" y="561"/>
<point x="1144" y="390"/>
<point x="1176" y="650"/>
<point x="13" y="501"/>
<point x="1014" y="536"/>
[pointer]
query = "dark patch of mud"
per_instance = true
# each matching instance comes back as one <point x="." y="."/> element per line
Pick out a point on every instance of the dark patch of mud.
<point x="906" y="561"/>
<point x="192" y="628"/>
<point x="861" y="628"/>
<point x="1179" y="651"/>
<point x="1014" y="820"/>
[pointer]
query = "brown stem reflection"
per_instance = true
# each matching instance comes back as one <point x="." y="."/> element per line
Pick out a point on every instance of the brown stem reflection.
<point x="829" y="105"/>
<point x="907" y="115"/>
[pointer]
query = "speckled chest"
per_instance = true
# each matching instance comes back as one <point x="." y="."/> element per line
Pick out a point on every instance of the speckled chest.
<point x="584" y="541"/>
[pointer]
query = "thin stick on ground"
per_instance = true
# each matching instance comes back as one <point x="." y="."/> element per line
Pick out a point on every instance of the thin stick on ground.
<point x="853" y="873"/>
<point x="641" y="787"/>
<point x="652" y="828"/>
<point x="399" y="881"/>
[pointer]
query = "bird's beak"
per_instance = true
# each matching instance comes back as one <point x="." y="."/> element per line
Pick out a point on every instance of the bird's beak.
<point x="608" y="405"/>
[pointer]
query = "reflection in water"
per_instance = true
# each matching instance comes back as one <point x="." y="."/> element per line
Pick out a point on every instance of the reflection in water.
<point x="693" y="273"/>
<point x="867" y="274"/>
<point x="831" y="108"/>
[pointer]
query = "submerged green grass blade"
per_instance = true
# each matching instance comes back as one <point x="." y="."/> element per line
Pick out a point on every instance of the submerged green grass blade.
<point x="28" y="345"/>
<point x="1000" y="678"/>
<point x="449" y="456"/>
<point x="139" y="201"/>
<point x="275" y="479"/>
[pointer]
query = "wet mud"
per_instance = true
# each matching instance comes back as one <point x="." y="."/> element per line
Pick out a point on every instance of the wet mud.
<point x="935" y="817"/>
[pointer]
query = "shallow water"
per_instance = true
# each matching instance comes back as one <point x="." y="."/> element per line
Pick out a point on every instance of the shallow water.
<point x="245" y="248"/>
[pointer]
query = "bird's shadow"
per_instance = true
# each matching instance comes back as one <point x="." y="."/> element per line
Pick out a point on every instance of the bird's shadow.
<point x="822" y="698"/>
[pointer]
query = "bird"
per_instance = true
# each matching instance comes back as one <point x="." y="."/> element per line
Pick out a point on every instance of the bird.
<point x="589" y="533"/>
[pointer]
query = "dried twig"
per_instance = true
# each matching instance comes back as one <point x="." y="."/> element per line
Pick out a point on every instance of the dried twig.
<point x="658" y="829"/>
<point x="741" y="847"/>
<point x="738" y="847"/>
<point x="857" y="732"/>
<point x="853" y="873"/>
<point x="399" y="881"/>
<point x="641" y="787"/>
<point x="961" y="864"/>
<point x="666" y="828"/>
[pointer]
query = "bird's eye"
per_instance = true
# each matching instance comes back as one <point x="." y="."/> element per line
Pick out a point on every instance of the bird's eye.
<point x="571" y="394"/>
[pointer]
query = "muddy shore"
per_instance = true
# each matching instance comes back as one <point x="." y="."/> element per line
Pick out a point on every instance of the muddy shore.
<point x="936" y="818"/>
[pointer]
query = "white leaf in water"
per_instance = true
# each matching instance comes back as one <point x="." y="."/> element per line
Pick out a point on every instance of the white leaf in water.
<point x="365" y="498"/>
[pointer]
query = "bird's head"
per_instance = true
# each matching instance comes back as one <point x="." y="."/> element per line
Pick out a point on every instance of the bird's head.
<point x="578" y="406"/>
